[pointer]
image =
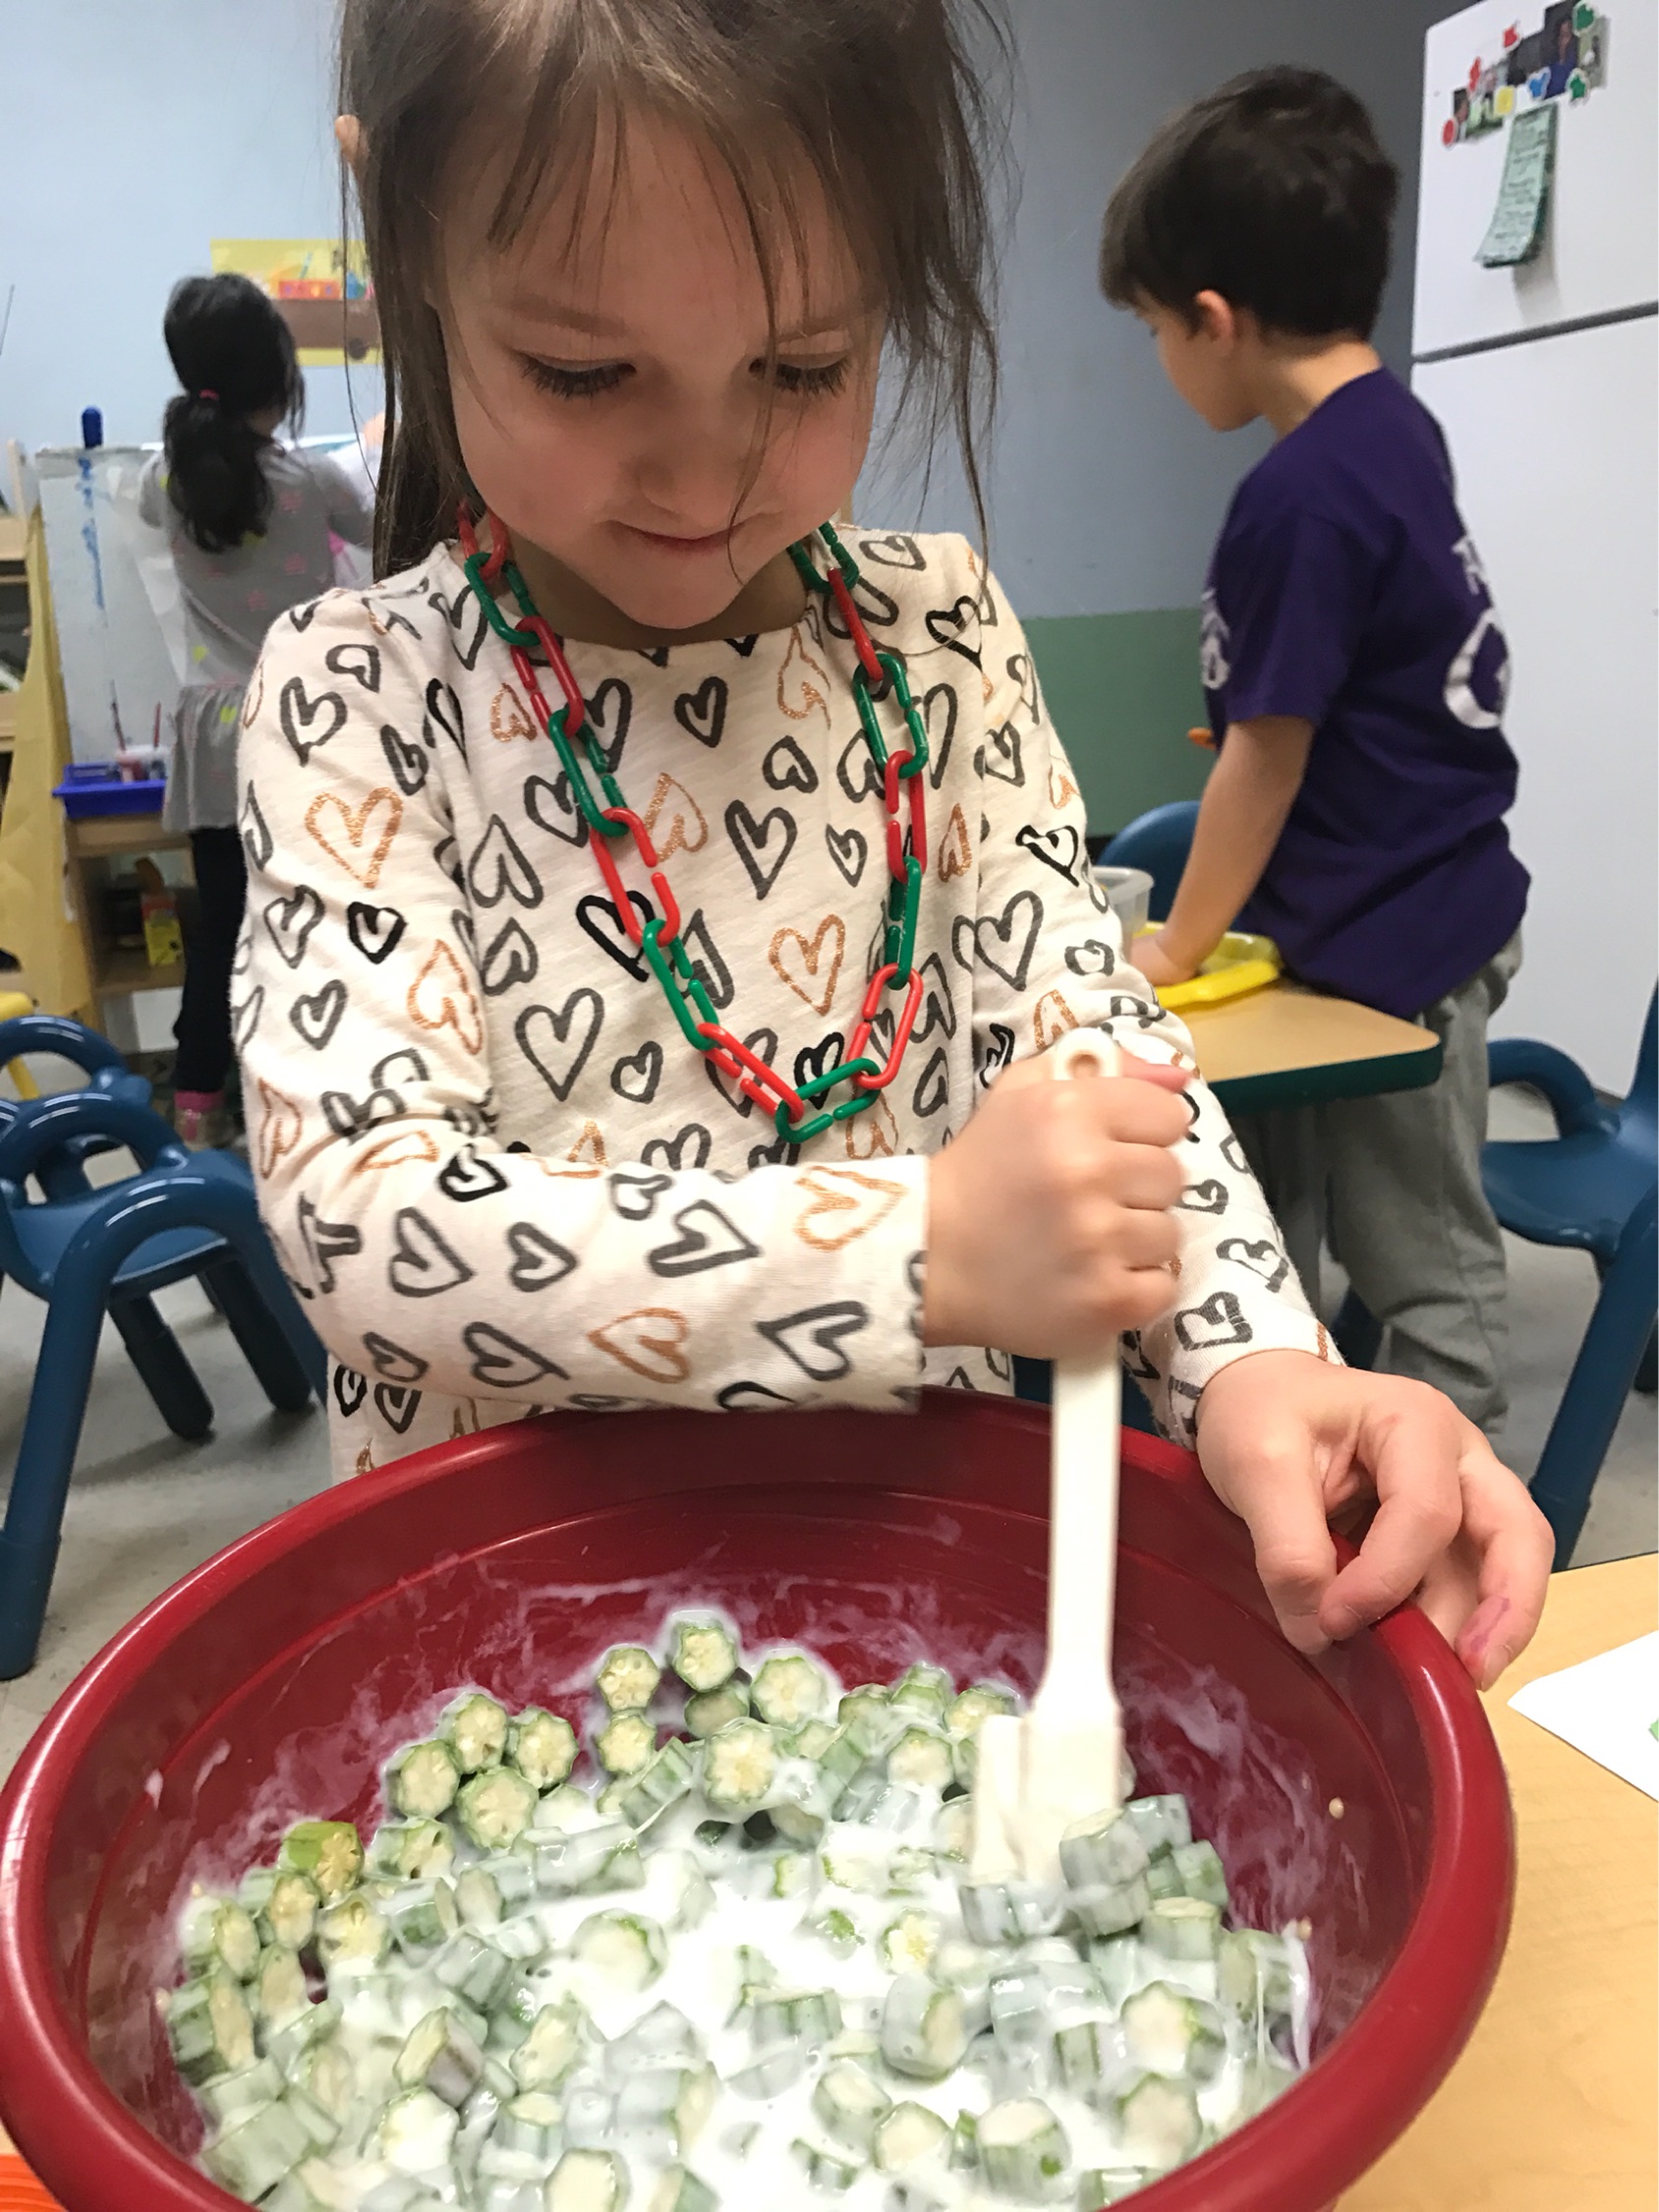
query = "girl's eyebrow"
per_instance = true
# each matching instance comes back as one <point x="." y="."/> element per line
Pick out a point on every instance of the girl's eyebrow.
<point x="541" y="309"/>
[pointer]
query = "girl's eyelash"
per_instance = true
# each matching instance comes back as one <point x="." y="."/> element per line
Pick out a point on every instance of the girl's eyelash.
<point x="574" y="384"/>
<point x="813" y="382"/>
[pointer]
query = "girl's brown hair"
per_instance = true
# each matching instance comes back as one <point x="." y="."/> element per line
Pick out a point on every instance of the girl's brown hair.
<point x="875" y="102"/>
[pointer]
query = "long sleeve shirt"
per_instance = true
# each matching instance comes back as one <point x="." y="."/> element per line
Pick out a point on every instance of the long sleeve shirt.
<point x="495" y="1168"/>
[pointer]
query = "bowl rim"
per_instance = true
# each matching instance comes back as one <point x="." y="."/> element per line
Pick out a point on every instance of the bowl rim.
<point x="1317" y="2137"/>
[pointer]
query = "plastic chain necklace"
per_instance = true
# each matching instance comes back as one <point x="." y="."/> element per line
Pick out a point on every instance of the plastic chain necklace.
<point x="877" y="674"/>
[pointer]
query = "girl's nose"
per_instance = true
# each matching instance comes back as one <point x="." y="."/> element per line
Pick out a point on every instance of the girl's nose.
<point x="696" y="459"/>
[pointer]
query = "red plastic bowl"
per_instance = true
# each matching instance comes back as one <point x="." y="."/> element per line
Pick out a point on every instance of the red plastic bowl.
<point x="273" y="1681"/>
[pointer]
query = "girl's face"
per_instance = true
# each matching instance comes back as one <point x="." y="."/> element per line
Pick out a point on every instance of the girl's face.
<point x="611" y="392"/>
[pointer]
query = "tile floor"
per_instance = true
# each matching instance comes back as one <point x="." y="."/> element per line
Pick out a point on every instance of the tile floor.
<point x="145" y="1507"/>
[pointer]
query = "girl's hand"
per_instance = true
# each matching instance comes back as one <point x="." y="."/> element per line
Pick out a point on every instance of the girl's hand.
<point x="1293" y="1444"/>
<point x="1155" y="960"/>
<point x="1049" y="1222"/>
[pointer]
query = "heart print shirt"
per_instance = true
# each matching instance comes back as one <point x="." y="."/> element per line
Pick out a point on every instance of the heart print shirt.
<point x="497" y="1172"/>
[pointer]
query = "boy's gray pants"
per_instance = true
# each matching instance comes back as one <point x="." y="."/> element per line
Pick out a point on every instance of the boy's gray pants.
<point x="1392" y="1185"/>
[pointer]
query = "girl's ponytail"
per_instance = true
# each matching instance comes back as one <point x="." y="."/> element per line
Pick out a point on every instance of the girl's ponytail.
<point x="234" y="356"/>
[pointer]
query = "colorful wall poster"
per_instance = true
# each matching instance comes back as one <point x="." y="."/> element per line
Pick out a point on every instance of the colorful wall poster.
<point x="322" y="288"/>
<point x="1564" y="58"/>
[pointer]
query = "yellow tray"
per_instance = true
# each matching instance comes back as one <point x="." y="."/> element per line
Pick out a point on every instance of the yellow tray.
<point x="1238" y="963"/>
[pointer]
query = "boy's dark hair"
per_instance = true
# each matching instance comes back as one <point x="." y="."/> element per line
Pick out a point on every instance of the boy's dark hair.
<point x="879" y="104"/>
<point x="1273" y="192"/>
<point x="234" y="356"/>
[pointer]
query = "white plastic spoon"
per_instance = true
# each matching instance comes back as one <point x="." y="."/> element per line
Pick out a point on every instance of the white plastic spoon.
<point x="1061" y="1761"/>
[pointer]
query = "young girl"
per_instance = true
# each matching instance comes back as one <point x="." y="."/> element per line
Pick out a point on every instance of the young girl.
<point x="646" y="902"/>
<point x="249" y="521"/>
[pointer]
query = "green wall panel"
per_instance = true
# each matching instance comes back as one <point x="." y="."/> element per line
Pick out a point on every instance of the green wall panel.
<point x="1122" y="690"/>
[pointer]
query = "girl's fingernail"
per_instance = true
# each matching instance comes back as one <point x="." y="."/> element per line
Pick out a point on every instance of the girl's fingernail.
<point x="1478" y="1636"/>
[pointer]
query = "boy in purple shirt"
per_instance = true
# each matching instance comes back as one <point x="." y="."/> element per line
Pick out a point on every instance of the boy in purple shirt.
<point x="1355" y="673"/>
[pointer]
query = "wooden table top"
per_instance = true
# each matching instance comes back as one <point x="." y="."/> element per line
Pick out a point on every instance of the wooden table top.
<point x="1551" y="2106"/>
<point x="1289" y="1046"/>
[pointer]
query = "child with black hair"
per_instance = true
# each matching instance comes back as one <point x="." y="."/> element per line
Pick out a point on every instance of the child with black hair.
<point x="250" y="523"/>
<point x="1355" y="675"/>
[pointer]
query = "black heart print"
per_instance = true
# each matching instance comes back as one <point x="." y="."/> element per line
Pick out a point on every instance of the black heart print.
<point x="933" y="1086"/>
<point x="464" y="615"/>
<point x="361" y="662"/>
<point x="856" y="771"/>
<point x="997" y="1053"/>
<point x="702" y="713"/>
<point x="408" y="763"/>
<point x="707" y="1239"/>
<point x="1001" y="756"/>
<point x="787" y="769"/>
<point x="375" y="931"/>
<point x="1058" y="849"/>
<point x="1234" y="1154"/>
<point x="443" y="709"/>
<point x="326" y="1241"/>
<point x="498" y="870"/>
<point x="611" y="711"/>
<point x="347" y="1117"/>
<point x="763" y="1043"/>
<point x="557" y="1043"/>
<point x="290" y="921"/>
<point x="894" y="550"/>
<point x="1264" y="1259"/>
<point x="1208" y="1197"/>
<point x="940" y="741"/>
<point x="244" y="1018"/>
<point x="705" y="963"/>
<point x="848" y="851"/>
<point x="255" y="838"/>
<point x="1022" y="670"/>
<point x="509" y="958"/>
<point x="1002" y="943"/>
<point x="350" y="1389"/>
<point x="598" y="915"/>
<point x="461" y="922"/>
<point x="878" y="611"/>
<point x="1092" y="957"/>
<point x="819" y="1059"/>
<point x="469" y="1176"/>
<point x="949" y="626"/>
<point x="751" y="838"/>
<point x="447" y="853"/>
<point x="392" y="1360"/>
<point x="813" y="1337"/>
<point x="1219" y="1321"/>
<point x="744" y="646"/>
<point x="423" y="1265"/>
<point x="318" y="1017"/>
<point x="749" y="1397"/>
<point x="689" y="1149"/>
<point x="939" y="1005"/>
<point x="637" y="1075"/>
<point x="500" y="1362"/>
<point x="396" y="1406"/>
<point x="538" y="1260"/>
<point x="550" y="805"/>
<point x="635" y="1197"/>
<point x="1136" y="1360"/>
<point x="307" y="722"/>
<point x="301" y="618"/>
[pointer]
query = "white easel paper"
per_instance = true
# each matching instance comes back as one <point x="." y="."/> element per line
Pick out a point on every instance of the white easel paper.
<point x="1606" y="1707"/>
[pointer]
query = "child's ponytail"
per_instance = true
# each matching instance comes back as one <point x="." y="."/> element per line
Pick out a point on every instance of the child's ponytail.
<point x="234" y="356"/>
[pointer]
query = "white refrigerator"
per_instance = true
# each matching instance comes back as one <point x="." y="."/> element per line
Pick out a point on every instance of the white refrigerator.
<point x="1545" y="377"/>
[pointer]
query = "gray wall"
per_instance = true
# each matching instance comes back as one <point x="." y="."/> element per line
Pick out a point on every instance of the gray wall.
<point x="133" y="134"/>
<point x="1106" y="490"/>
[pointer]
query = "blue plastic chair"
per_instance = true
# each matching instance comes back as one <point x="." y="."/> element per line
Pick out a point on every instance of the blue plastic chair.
<point x="1158" y="841"/>
<point x="1590" y="1187"/>
<point x="60" y="1175"/>
<point x="89" y="1253"/>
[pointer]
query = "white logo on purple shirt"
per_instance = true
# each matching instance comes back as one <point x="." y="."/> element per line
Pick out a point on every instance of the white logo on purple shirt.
<point x="1213" y="666"/>
<point x="1481" y="673"/>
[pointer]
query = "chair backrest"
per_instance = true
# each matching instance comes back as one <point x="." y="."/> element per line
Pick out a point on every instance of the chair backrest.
<point x="1158" y="841"/>
<point x="1642" y="1104"/>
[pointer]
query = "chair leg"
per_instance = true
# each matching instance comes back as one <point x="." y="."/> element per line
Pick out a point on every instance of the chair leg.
<point x="1356" y="1333"/>
<point x="263" y="1346"/>
<point x="1615" y="1345"/>
<point x="28" y="1540"/>
<point x="162" y="1367"/>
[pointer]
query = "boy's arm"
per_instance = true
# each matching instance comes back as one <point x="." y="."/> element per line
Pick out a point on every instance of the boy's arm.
<point x="1251" y="791"/>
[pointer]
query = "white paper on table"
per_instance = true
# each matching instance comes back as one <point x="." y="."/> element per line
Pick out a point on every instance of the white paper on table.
<point x="1606" y="1707"/>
